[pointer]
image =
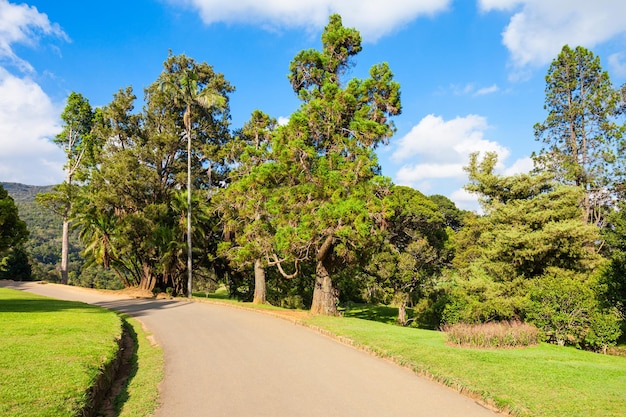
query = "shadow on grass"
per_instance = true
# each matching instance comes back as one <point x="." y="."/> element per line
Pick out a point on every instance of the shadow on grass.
<point x="129" y="370"/>
<point x="43" y="305"/>
<point x="383" y="314"/>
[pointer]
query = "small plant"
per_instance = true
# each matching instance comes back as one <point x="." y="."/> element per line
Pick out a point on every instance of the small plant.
<point x="492" y="335"/>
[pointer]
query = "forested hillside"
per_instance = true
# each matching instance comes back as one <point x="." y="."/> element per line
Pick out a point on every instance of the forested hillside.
<point x="44" y="243"/>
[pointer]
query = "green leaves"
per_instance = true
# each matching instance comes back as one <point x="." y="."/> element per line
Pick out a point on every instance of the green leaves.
<point x="13" y="231"/>
<point x="581" y="136"/>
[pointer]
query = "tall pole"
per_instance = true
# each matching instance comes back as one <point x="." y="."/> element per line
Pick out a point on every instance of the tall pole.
<point x="189" y="255"/>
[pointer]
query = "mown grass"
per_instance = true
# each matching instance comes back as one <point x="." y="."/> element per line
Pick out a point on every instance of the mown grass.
<point x="139" y="396"/>
<point x="51" y="353"/>
<point x="545" y="380"/>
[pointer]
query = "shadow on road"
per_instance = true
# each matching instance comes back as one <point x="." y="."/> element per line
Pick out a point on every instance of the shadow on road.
<point x="137" y="307"/>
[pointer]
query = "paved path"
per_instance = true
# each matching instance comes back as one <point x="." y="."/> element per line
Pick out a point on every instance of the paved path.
<point x="222" y="361"/>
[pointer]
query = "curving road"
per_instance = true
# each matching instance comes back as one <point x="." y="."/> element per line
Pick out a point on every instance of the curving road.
<point x="222" y="361"/>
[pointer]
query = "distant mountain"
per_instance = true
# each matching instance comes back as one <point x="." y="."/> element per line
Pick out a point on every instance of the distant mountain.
<point x="25" y="193"/>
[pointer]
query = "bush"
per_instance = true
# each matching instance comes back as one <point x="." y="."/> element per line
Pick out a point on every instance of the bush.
<point x="565" y="308"/>
<point x="492" y="335"/>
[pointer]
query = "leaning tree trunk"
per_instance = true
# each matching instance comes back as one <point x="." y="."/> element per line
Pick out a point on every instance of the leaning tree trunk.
<point x="324" y="294"/>
<point x="401" y="299"/>
<point x="65" y="244"/>
<point x="260" y="289"/>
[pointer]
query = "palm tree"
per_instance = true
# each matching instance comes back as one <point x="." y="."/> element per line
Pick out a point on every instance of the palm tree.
<point x="188" y="91"/>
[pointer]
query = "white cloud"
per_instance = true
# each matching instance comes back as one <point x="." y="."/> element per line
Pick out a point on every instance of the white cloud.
<point x="617" y="62"/>
<point x="466" y="200"/>
<point x="440" y="141"/>
<point x="470" y="89"/>
<point x="539" y="28"/>
<point x="487" y="90"/>
<point x="23" y="24"/>
<point x="28" y="119"/>
<point x="432" y="156"/>
<point x="372" y="18"/>
<point x="521" y="166"/>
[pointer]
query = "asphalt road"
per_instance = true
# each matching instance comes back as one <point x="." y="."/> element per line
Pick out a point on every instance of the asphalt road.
<point x="222" y="361"/>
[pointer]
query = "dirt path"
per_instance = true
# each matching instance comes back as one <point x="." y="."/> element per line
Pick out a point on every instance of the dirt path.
<point x="221" y="361"/>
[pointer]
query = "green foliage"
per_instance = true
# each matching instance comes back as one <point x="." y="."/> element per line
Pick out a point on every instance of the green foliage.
<point x="132" y="214"/>
<point x="564" y="306"/>
<point x="414" y="247"/>
<point x="13" y="231"/>
<point x="614" y="274"/>
<point x="16" y="265"/>
<point x="475" y="297"/>
<point x="532" y="257"/>
<point x="581" y="136"/>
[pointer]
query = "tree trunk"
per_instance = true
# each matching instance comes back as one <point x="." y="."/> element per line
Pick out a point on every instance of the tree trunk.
<point x="148" y="280"/>
<point x="324" y="295"/>
<point x="260" y="289"/>
<point x="65" y="244"/>
<point x="401" y="299"/>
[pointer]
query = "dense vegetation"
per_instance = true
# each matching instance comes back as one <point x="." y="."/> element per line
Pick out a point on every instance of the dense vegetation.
<point x="298" y="214"/>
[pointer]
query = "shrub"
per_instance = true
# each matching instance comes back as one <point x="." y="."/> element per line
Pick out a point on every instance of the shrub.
<point x="492" y="335"/>
<point x="565" y="308"/>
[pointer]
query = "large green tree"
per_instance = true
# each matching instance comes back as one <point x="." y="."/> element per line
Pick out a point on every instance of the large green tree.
<point x="414" y="245"/>
<point x="243" y="204"/>
<point x="581" y="135"/>
<point x="326" y="200"/>
<point x="187" y="89"/>
<point x="134" y="216"/>
<point x="530" y="224"/>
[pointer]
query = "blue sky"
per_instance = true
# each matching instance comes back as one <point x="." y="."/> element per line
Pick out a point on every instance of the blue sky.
<point x="471" y="72"/>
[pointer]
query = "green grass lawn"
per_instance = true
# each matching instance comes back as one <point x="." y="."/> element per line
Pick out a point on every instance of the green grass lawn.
<point x="546" y="380"/>
<point x="51" y="352"/>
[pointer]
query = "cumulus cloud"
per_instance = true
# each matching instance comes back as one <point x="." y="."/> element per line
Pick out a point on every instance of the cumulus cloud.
<point x="432" y="155"/>
<point x="372" y="18"/>
<point x="23" y="24"/>
<point x="28" y="119"/>
<point x="617" y="62"/>
<point x="538" y="29"/>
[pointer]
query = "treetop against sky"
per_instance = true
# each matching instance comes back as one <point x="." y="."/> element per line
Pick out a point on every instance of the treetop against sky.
<point x="471" y="73"/>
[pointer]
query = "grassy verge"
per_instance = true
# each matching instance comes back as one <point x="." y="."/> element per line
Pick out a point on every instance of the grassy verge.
<point x="545" y="380"/>
<point x="52" y="352"/>
<point x="139" y="396"/>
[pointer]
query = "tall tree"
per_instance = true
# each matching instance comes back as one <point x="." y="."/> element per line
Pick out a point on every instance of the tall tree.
<point x="581" y="135"/>
<point x="243" y="204"/>
<point x="326" y="192"/>
<point x="134" y="207"/>
<point x="187" y="89"/>
<point x="78" y="143"/>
